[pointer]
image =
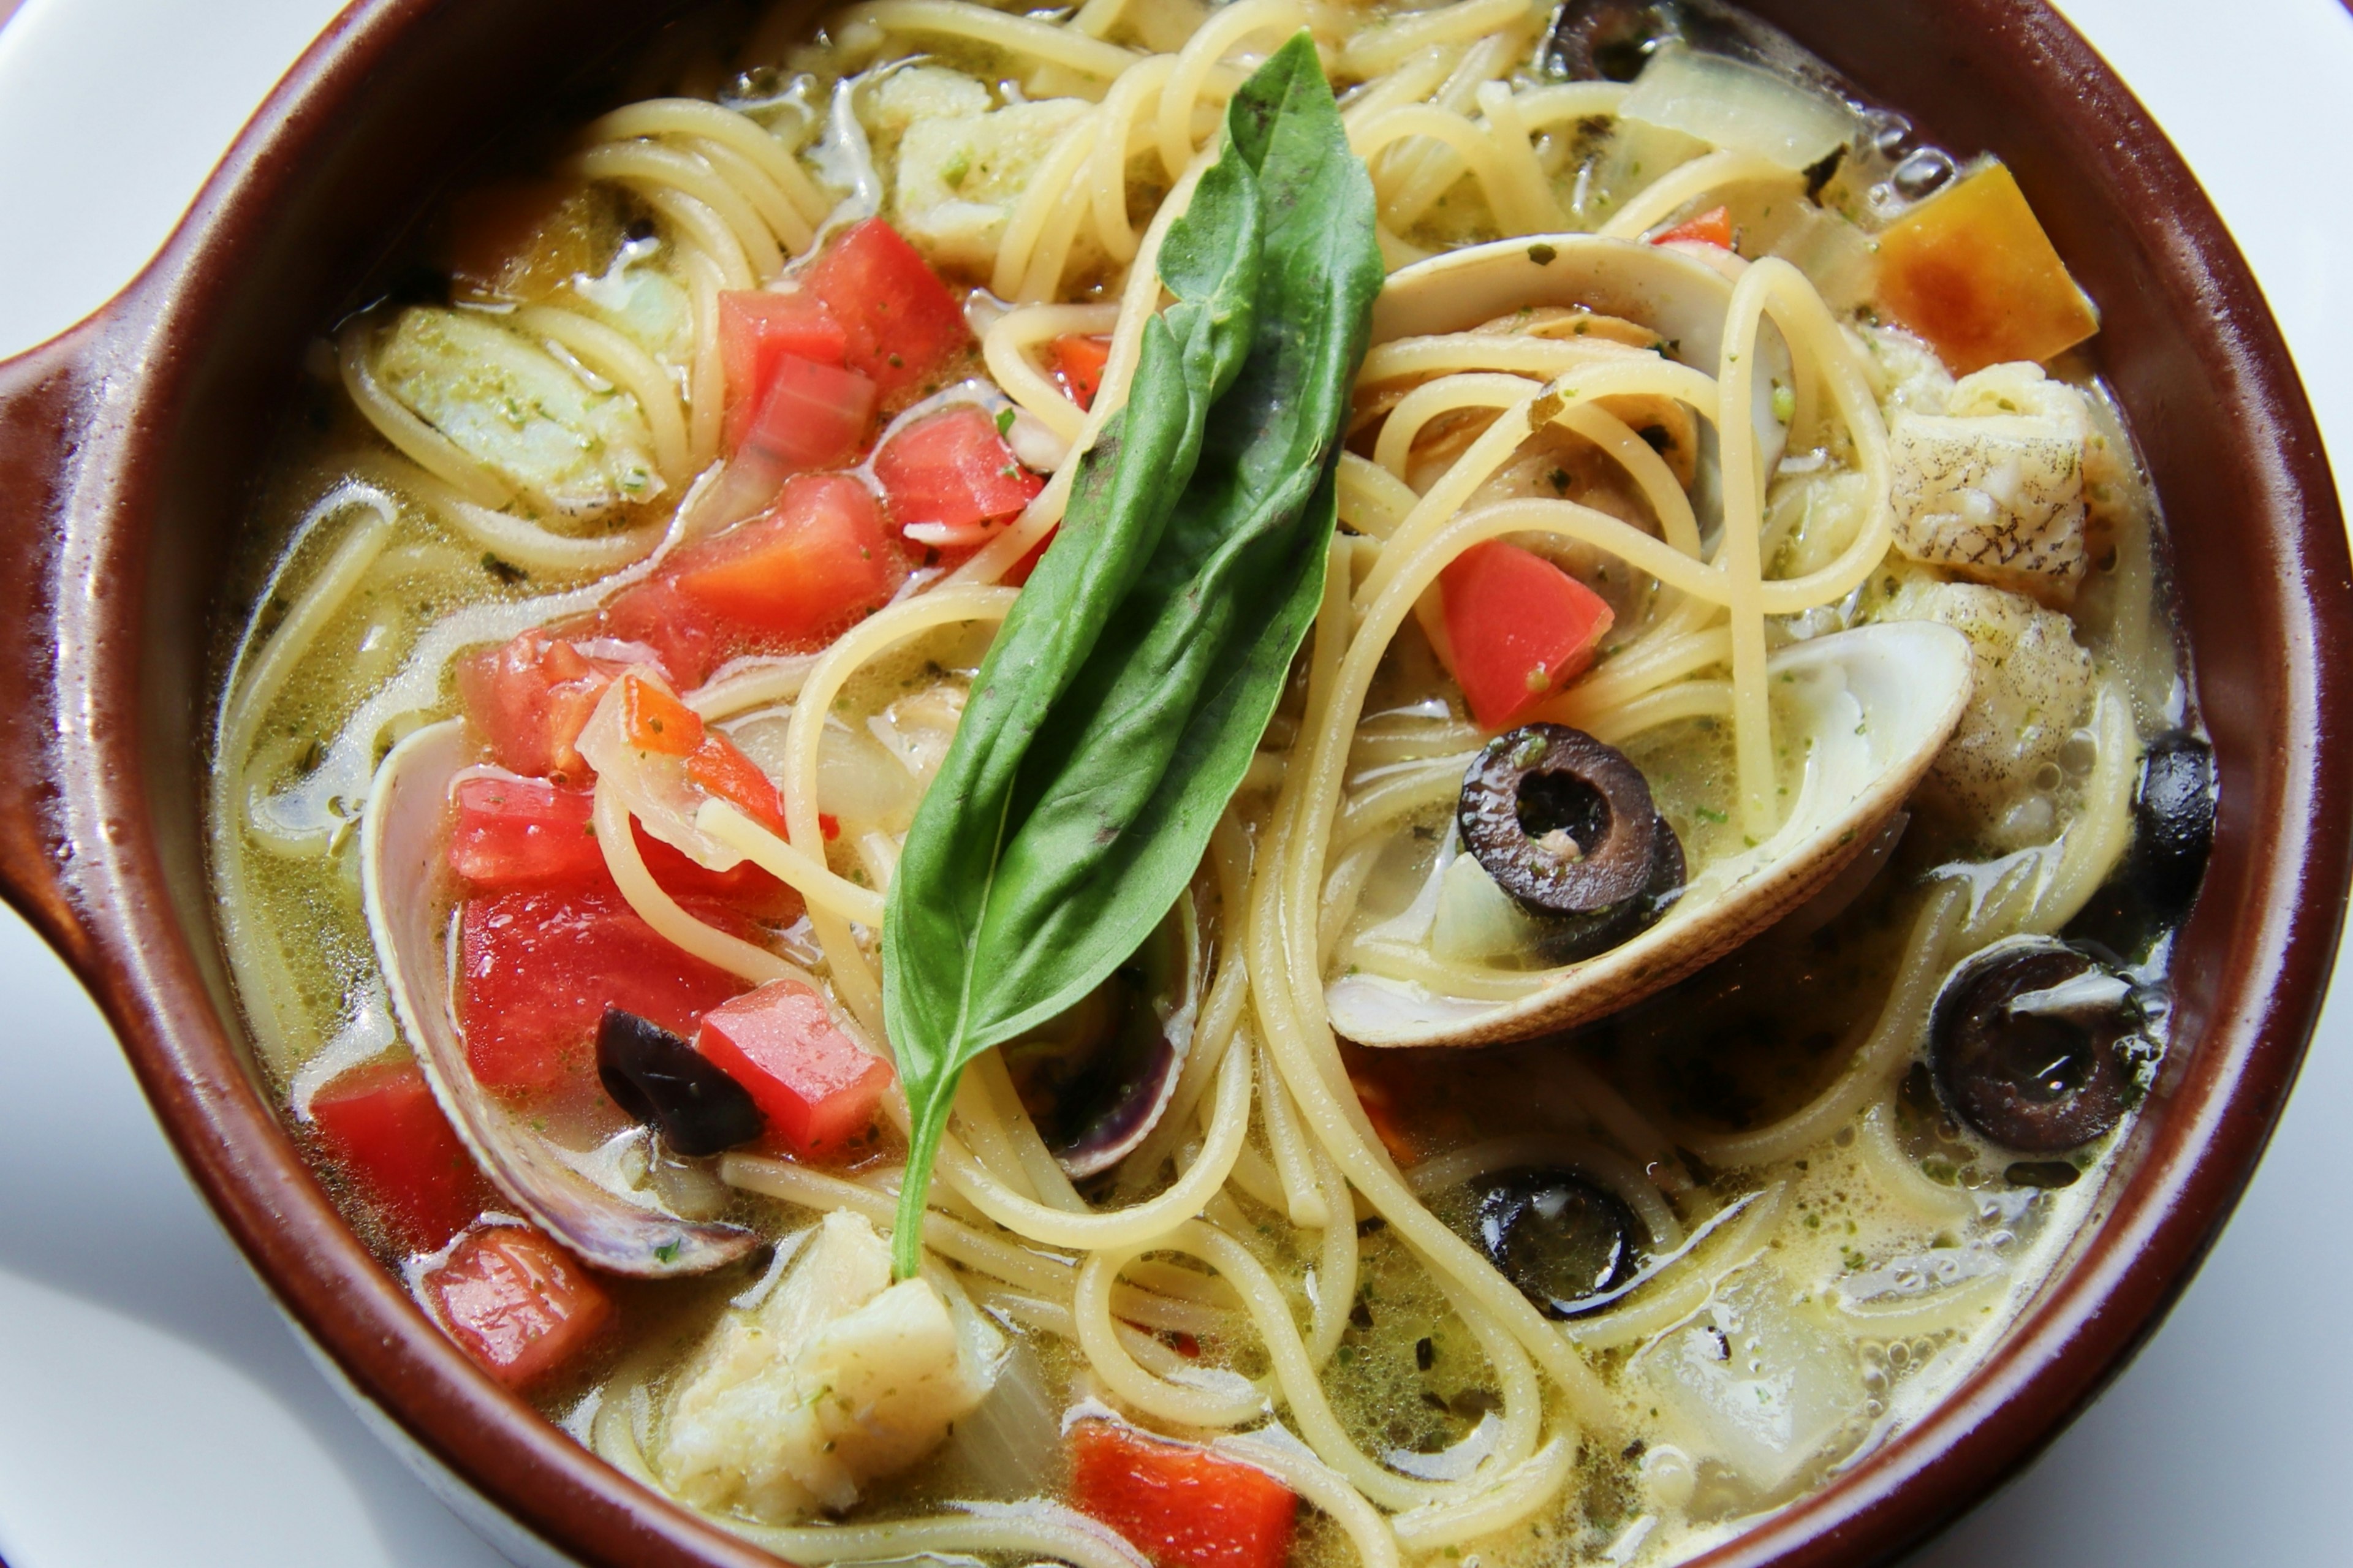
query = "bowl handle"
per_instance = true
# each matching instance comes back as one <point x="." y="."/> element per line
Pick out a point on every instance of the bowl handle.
<point x="49" y="400"/>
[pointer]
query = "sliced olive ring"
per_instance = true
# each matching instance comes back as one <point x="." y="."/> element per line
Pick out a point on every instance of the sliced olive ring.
<point x="1566" y="826"/>
<point x="2173" y="813"/>
<point x="661" y="1081"/>
<point x="2037" y="1045"/>
<point x="1557" y="1236"/>
<point x="1611" y="40"/>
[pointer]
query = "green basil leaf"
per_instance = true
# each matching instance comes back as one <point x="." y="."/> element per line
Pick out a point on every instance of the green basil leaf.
<point x="1122" y="700"/>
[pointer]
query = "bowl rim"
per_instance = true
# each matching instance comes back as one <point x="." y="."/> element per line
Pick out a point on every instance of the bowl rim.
<point x="78" y="859"/>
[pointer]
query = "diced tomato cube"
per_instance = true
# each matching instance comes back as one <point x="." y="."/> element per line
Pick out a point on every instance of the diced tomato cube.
<point x="1709" y="229"/>
<point x="817" y="1088"/>
<point x="530" y="698"/>
<point x="382" y="1125"/>
<point x="1182" y="1508"/>
<point x="820" y="559"/>
<point x="1079" y="366"/>
<point x="903" y="325"/>
<point x="718" y="768"/>
<point x="655" y="721"/>
<point x="685" y="638"/>
<point x="1381" y="1109"/>
<point x="756" y="327"/>
<point x="538" y="968"/>
<point x="521" y="833"/>
<point x="526" y="833"/>
<point x="810" y="417"/>
<point x="953" y="468"/>
<point x="1017" y="575"/>
<point x="516" y="1303"/>
<point x="1516" y="627"/>
<point x="829" y="826"/>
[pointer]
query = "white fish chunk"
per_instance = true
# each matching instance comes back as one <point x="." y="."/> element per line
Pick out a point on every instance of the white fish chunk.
<point x="1993" y="487"/>
<point x="2032" y="691"/>
<point x="509" y="404"/>
<point x="838" y="1379"/>
<point x="959" y="178"/>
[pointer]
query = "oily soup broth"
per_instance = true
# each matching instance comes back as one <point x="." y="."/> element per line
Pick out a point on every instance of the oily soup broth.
<point x="1601" y="1296"/>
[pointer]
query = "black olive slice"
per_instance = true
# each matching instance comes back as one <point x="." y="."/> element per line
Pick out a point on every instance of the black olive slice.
<point x="2034" y="1043"/>
<point x="1566" y="826"/>
<point x="2174" y="815"/>
<point x="2173" y="833"/>
<point x="1611" y="40"/>
<point x="660" y="1080"/>
<point x="1557" y="1236"/>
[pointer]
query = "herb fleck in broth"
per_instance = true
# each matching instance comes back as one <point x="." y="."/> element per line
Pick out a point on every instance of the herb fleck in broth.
<point x="701" y="496"/>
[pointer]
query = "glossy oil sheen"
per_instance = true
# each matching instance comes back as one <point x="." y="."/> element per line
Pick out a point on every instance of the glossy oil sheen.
<point x="124" y="447"/>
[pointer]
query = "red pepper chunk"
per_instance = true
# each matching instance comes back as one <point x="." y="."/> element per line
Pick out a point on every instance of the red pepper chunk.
<point x="818" y="1087"/>
<point x="822" y="558"/>
<point x="1182" y="1508"/>
<point x="718" y="767"/>
<point x="1709" y="229"/>
<point x="1515" y="627"/>
<point x="381" y="1125"/>
<point x="901" y="325"/>
<point x="953" y="468"/>
<point x="516" y="1304"/>
<point x="655" y="721"/>
<point x="538" y="968"/>
<point x="1079" y="367"/>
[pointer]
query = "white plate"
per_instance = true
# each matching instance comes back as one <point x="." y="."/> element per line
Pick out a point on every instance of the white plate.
<point x="154" y="1408"/>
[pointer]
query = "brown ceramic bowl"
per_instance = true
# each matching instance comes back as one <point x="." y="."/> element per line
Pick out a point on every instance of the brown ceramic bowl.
<point x="128" y="449"/>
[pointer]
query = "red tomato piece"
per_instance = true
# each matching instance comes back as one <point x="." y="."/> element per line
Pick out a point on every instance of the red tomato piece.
<point x="810" y="417"/>
<point x="1381" y="1109"/>
<point x="1516" y="627"/>
<point x="521" y="833"/>
<point x="818" y="1088"/>
<point x="1709" y="229"/>
<point x="953" y="468"/>
<point x="381" y="1125"/>
<point x="655" y="721"/>
<point x="684" y="636"/>
<point x="516" y="1303"/>
<point x="1017" y="575"/>
<point x="514" y="834"/>
<point x="829" y="826"/>
<point x="820" y="559"/>
<point x="903" y="324"/>
<point x="538" y="968"/>
<point x="530" y="698"/>
<point x="1182" y="1508"/>
<point x="756" y="327"/>
<point x="1079" y="365"/>
<point x="718" y="768"/>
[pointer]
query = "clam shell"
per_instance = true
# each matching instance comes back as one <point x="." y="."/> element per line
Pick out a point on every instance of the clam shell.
<point x="402" y="845"/>
<point x="1876" y="704"/>
<point x="1679" y="297"/>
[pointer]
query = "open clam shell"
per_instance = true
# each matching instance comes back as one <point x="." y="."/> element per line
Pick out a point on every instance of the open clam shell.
<point x="1868" y="709"/>
<point x="401" y="870"/>
<point x="1682" y="299"/>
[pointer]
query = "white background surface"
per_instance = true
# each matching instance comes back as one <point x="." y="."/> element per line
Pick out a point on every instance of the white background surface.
<point x="154" y="1408"/>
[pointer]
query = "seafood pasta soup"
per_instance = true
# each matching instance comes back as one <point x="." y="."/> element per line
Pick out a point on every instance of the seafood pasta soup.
<point x="1215" y="785"/>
